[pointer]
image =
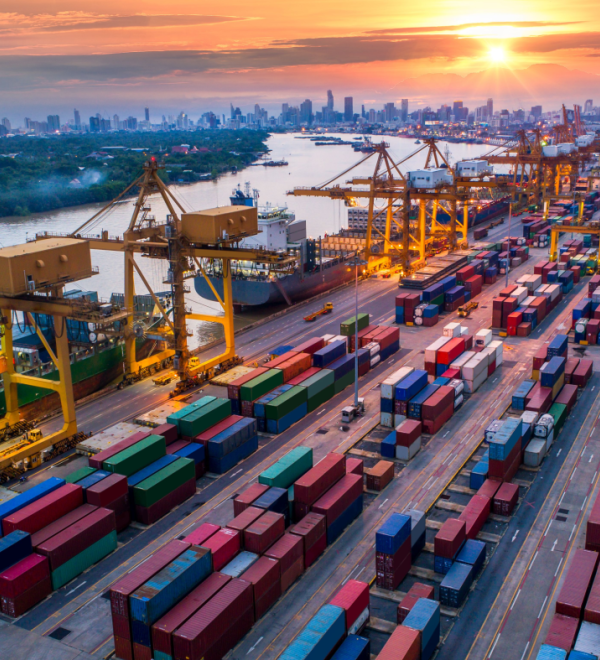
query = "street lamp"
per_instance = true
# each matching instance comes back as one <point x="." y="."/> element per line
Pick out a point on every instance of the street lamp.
<point x="356" y="262"/>
<point x="508" y="240"/>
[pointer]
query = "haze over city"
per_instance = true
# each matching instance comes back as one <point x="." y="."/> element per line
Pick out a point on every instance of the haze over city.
<point x="64" y="54"/>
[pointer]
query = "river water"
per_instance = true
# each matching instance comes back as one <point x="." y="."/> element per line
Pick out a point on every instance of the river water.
<point x="309" y="165"/>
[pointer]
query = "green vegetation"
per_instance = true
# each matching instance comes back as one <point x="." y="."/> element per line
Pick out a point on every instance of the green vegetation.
<point x="40" y="174"/>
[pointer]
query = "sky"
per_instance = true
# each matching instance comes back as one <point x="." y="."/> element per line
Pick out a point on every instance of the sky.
<point x="115" y="57"/>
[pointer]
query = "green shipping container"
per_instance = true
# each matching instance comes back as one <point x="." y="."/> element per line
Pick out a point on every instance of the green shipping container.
<point x="344" y="381"/>
<point x="184" y="412"/>
<point x="438" y="301"/>
<point x="202" y="419"/>
<point x="285" y="403"/>
<point x="559" y="412"/>
<point x="161" y="483"/>
<point x="80" y="474"/>
<point x="81" y="562"/>
<point x="318" y="382"/>
<point x="261" y="385"/>
<point x="288" y="469"/>
<point x="134" y="458"/>
<point x="348" y="328"/>
<point x="320" y="398"/>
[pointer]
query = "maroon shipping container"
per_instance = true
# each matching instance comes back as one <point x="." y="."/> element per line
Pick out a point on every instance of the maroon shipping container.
<point x="141" y="652"/>
<point x="244" y="520"/>
<point x="168" y="432"/>
<point x="311" y="345"/>
<point x="265" y="577"/>
<point x="418" y="590"/>
<point x="475" y="514"/>
<point x="582" y="374"/>
<point x="390" y="579"/>
<point x="202" y="533"/>
<point x="23" y="575"/>
<point x="264" y="531"/>
<point x="339" y="497"/>
<point x="380" y="475"/>
<point x="505" y="470"/>
<point x="177" y="445"/>
<point x="245" y="499"/>
<point x="409" y="431"/>
<point x="18" y="605"/>
<point x="433" y="426"/>
<point x="286" y="550"/>
<point x="61" y="524"/>
<point x="592" y="605"/>
<point x="506" y="499"/>
<point x="541" y="401"/>
<point x="489" y="488"/>
<point x="388" y="337"/>
<point x="401" y="408"/>
<point x="567" y="396"/>
<point x="123" y="588"/>
<point x="540" y="356"/>
<point x="315" y="551"/>
<point x="97" y="460"/>
<point x="164" y="628"/>
<point x="210" y="433"/>
<point x="571" y="598"/>
<point x="314" y="483"/>
<point x="354" y="465"/>
<point x="79" y="536"/>
<point x="44" y="511"/>
<point x="570" y="365"/>
<point x="122" y="511"/>
<point x="354" y="599"/>
<point x="149" y="515"/>
<point x="592" y="532"/>
<point x="224" y="545"/>
<point x="449" y="538"/>
<point x="218" y="626"/>
<point x="123" y="648"/>
<point x="233" y="389"/>
<point x="108" y="490"/>
<point x="389" y="563"/>
<point x="438" y="402"/>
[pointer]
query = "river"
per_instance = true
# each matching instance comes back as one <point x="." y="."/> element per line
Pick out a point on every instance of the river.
<point x="309" y="165"/>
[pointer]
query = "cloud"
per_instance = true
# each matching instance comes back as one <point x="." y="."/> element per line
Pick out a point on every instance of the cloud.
<point x="465" y="26"/>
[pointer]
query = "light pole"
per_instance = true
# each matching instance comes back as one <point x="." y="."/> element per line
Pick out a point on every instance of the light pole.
<point x="357" y="263"/>
<point x="508" y="240"/>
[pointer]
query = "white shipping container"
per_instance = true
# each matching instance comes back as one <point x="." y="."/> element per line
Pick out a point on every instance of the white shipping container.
<point x="387" y="419"/>
<point x="406" y="453"/>
<point x="464" y="331"/>
<point x="388" y="386"/>
<point x="462" y="359"/>
<point x="432" y="349"/>
<point x="549" y="440"/>
<point x="458" y="386"/>
<point x="472" y="386"/>
<point x="588" y="639"/>
<point x="483" y="337"/>
<point x="109" y="437"/>
<point x="540" y="290"/>
<point x="458" y="401"/>
<point x="553" y="290"/>
<point x="515" y="261"/>
<point x="475" y="366"/>
<point x="534" y="453"/>
<point x="375" y="361"/>
<point x="451" y="330"/>
<point x="327" y="338"/>
<point x="373" y="348"/>
<point x="529" y="417"/>
<point x="535" y="282"/>
<point x="398" y="419"/>
<point x="492" y="429"/>
<point x="520" y="293"/>
<point x="499" y="346"/>
<point x="527" y="301"/>
<point x="339" y="338"/>
<point x="357" y="626"/>
<point x="543" y="426"/>
<point x="417" y="526"/>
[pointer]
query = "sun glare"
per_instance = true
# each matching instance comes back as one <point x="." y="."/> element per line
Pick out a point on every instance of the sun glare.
<point x="497" y="55"/>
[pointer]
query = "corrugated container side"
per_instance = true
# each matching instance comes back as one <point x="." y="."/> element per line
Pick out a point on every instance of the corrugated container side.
<point x="571" y="598"/>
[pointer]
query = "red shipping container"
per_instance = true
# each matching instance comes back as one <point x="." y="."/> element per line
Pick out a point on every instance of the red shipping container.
<point x="314" y="483"/>
<point x="44" y="511"/>
<point x="438" y="402"/>
<point x="573" y="592"/>
<point x="497" y="304"/>
<point x="449" y="538"/>
<point x="304" y="375"/>
<point x="168" y="432"/>
<point x="178" y="444"/>
<point x="265" y="577"/>
<point x="389" y="563"/>
<point x="76" y="538"/>
<point x="224" y="545"/>
<point x="244" y="520"/>
<point x="592" y="533"/>
<point x="151" y="514"/>
<point x="474" y="285"/>
<point x="508" y="291"/>
<point x="540" y="356"/>
<point x="23" y="575"/>
<point x="408" y="432"/>
<point x="537" y="269"/>
<point x="401" y="408"/>
<point x="122" y="511"/>
<point x="403" y="644"/>
<point x="475" y="514"/>
<point x="506" y="499"/>
<point x="264" y="531"/>
<point x="275" y="362"/>
<point x="18" y="605"/>
<point x="451" y="350"/>
<point x="400" y="299"/>
<point x="311" y="345"/>
<point x="286" y="550"/>
<point x="567" y="396"/>
<point x="418" y="590"/>
<point x="217" y="626"/>
<point x="295" y="366"/>
<point x="524" y="329"/>
<point x="141" y="652"/>
<point x="107" y="490"/>
<point x="164" y="628"/>
<point x="433" y="426"/>
<point x="233" y="388"/>
<point x="365" y="336"/>
<point x="353" y="466"/>
<point x="315" y="551"/>
<point x="491" y="368"/>
<point x="388" y="337"/>
<point x="513" y="321"/>
<point x="451" y="373"/>
<point x="311" y="528"/>
<point x="380" y="475"/>
<point x="353" y="598"/>
<point x="489" y="488"/>
<point x="582" y="373"/>
<point x="245" y="499"/>
<point x="201" y="534"/>
<point x="123" y="648"/>
<point x="391" y="578"/>
<point x="505" y="470"/>
<point x="292" y="574"/>
<point x="508" y="306"/>
<point x="430" y="321"/>
<point x="570" y="366"/>
<point x="541" y="401"/>
<point x="465" y="273"/>
<point x="62" y="523"/>
<point x="97" y="460"/>
<point x="412" y="300"/>
<point x="210" y="433"/>
<point x="592" y="605"/>
<point x="539" y="304"/>
<point x="339" y="497"/>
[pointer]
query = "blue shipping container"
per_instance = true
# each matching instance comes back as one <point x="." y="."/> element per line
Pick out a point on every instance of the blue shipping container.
<point x="518" y="398"/>
<point x="259" y="404"/>
<point x="472" y="553"/>
<point x="194" y="451"/>
<point x="425" y="617"/>
<point x="410" y="386"/>
<point x="386" y="405"/>
<point x="580" y="655"/>
<point x="239" y="564"/>
<point x="433" y="291"/>
<point x="334" y="531"/>
<point x="329" y="353"/>
<point x="456" y="584"/>
<point x="363" y="356"/>
<point x="274" y="499"/>
<point x="441" y="380"/>
<point x="442" y="564"/>
<point x="354" y="648"/>
<point x="448" y="282"/>
<point x="388" y="446"/>
<point x="237" y="434"/>
<point x="92" y="479"/>
<point x="14" y="547"/>
<point x="149" y="470"/>
<point x="392" y="534"/>
<point x="430" y="311"/>
<point x="454" y="294"/>
<point x="548" y="652"/>
<point x="399" y="315"/>
<point x="414" y="405"/>
<point x="342" y="366"/>
<point x="221" y="464"/>
<point x="159" y="594"/>
<point x="551" y="371"/>
<point x="280" y="425"/>
<point x="558" y="346"/>
<point x="390" y="350"/>
<point x="505" y="439"/>
<point x="29" y="496"/>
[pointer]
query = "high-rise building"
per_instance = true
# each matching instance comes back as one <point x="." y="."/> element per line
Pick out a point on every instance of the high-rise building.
<point x="348" y="108"/>
<point x="589" y="106"/>
<point x="53" y="123"/>
<point x="372" y="116"/>
<point x="404" y="111"/>
<point x="6" y="123"/>
<point x="306" y="112"/>
<point x="330" y="100"/>
<point x="76" y="119"/>
<point x="363" y="113"/>
<point x="115" y="122"/>
<point x="536" y="111"/>
<point x="490" y="108"/>
<point x="94" y="125"/>
<point x="147" y="114"/>
<point x="390" y="111"/>
<point x="457" y="109"/>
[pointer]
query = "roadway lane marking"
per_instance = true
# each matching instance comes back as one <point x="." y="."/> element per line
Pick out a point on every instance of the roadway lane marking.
<point x="359" y="572"/>
<point x="515" y="600"/>
<point x="321" y="412"/>
<point x="558" y="567"/>
<point x="513" y="539"/>
<point x="548" y="528"/>
<point x="493" y="647"/>
<point x="534" y="558"/>
<point x="77" y="587"/>
<point x="594" y="477"/>
<point x="558" y="452"/>
<point x="233" y="475"/>
<point x="554" y="545"/>
<point x="584" y="501"/>
<point x="525" y="651"/>
<point x="349" y="574"/>
<point x="258" y="641"/>
<point x="542" y="607"/>
<point x="573" y="474"/>
<point x="572" y="531"/>
<point x="561" y="497"/>
<point x="592" y="456"/>
<point x="384" y="501"/>
<point x="445" y="434"/>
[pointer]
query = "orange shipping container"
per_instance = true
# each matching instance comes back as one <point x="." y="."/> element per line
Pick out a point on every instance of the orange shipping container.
<point x="404" y="644"/>
<point x="295" y="366"/>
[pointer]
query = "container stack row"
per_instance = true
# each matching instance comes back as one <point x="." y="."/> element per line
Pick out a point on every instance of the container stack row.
<point x="398" y="542"/>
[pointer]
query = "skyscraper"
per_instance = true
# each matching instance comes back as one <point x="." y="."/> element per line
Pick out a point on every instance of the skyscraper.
<point x="77" y="119"/>
<point x="536" y="111"/>
<point x="147" y="114"/>
<point x="306" y="111"/>
<point x="348" y="108"/>
<point x="390" y="111"/>
<point x="404" y="111"/>
<point x="490" y="108"/>
<point x="457" y="109"/>
<point x="6" y="123"/>
<point x="329" y="100"/>
<point x="589" y="106"/>
<point x="94" y="125"/>
<point x="53" y="123"/>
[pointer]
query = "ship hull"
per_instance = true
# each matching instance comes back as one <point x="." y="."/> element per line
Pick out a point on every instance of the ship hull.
<point x="252" y="293"/>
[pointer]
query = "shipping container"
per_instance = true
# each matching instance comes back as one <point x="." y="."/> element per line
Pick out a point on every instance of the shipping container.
<point x="82" y="473"/>
<point x="309" y="487"/>
<point x="403" y="644"/>
<point x="450" y="538"/>
<point x="151" y="514"/>
<point x="265" y="577"/>
<point x="571" y="598"/>
<point x="98" y="459"/>
<point x="239" y="564"/>
<point x="261" y="385"/>
<point x="31" y="495"/>
<point x="288" y="469"/>
<point x="133" y="459"/>
<point x="163" y="482"/>
<point x="14" y="547"/>
<point x="77" y="564"/>
<point x="562" y="632"/>
<point x="393" y="533"/>
<point x="107" y="491"/>
<point x="289" y="552"/>
<point x="417" y="591"/>
<point x="264" y="531"/>
<point x="588" y="639"/>
<point x="353" y="648"/>
<point x="425" y="617"/>
<point x="233" y="388"/>
<point x="245" y="499"/>
<point x="23" y="575"/>
<point x="456" y="584"/>
<point x="339" y="497"/>
<point x="320" y="637"/>
<point x="17" y="605"/>
<point x="353" y="598"/>
<point x="472" y="553"/>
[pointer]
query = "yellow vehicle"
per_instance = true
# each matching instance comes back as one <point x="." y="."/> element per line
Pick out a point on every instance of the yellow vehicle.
<point x="465" y="310"/>
<point x="34" y="435"/>
<point x="326" y="309"/>
<point x="165" y="379"/>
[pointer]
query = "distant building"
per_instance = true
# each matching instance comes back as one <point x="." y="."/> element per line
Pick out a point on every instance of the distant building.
<point x="6" y="124"/>
<point x="94" y="125"/>
<point x="76" y="119"/>
<point x="536" y="111"/>
<point x="132" y="123"/>
<point x="404" y="110"/>
<point x="348" y="108"/>
<point x="53" y="123"/>
<point x="181" y="149"/>
<point x="490" y="108"/>
<point x="330" y="100"/>
<point x="589" y="106"/>
<point x="372" y="116"/>
<point x="147" y="114"/>
<point x="306" y="112"/>
<point x="390" y="111"/>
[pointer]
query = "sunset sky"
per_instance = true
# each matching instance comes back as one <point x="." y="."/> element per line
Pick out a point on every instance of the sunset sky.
<point x="56" y="55"/>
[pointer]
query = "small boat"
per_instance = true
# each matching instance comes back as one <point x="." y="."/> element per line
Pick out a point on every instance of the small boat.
<point x="417" y="141"/>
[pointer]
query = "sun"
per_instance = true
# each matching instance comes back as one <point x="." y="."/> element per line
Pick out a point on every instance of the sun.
<point x="497" y="54"/>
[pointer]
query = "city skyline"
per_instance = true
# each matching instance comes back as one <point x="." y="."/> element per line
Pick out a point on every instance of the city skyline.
<point x="73" y="56"/>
